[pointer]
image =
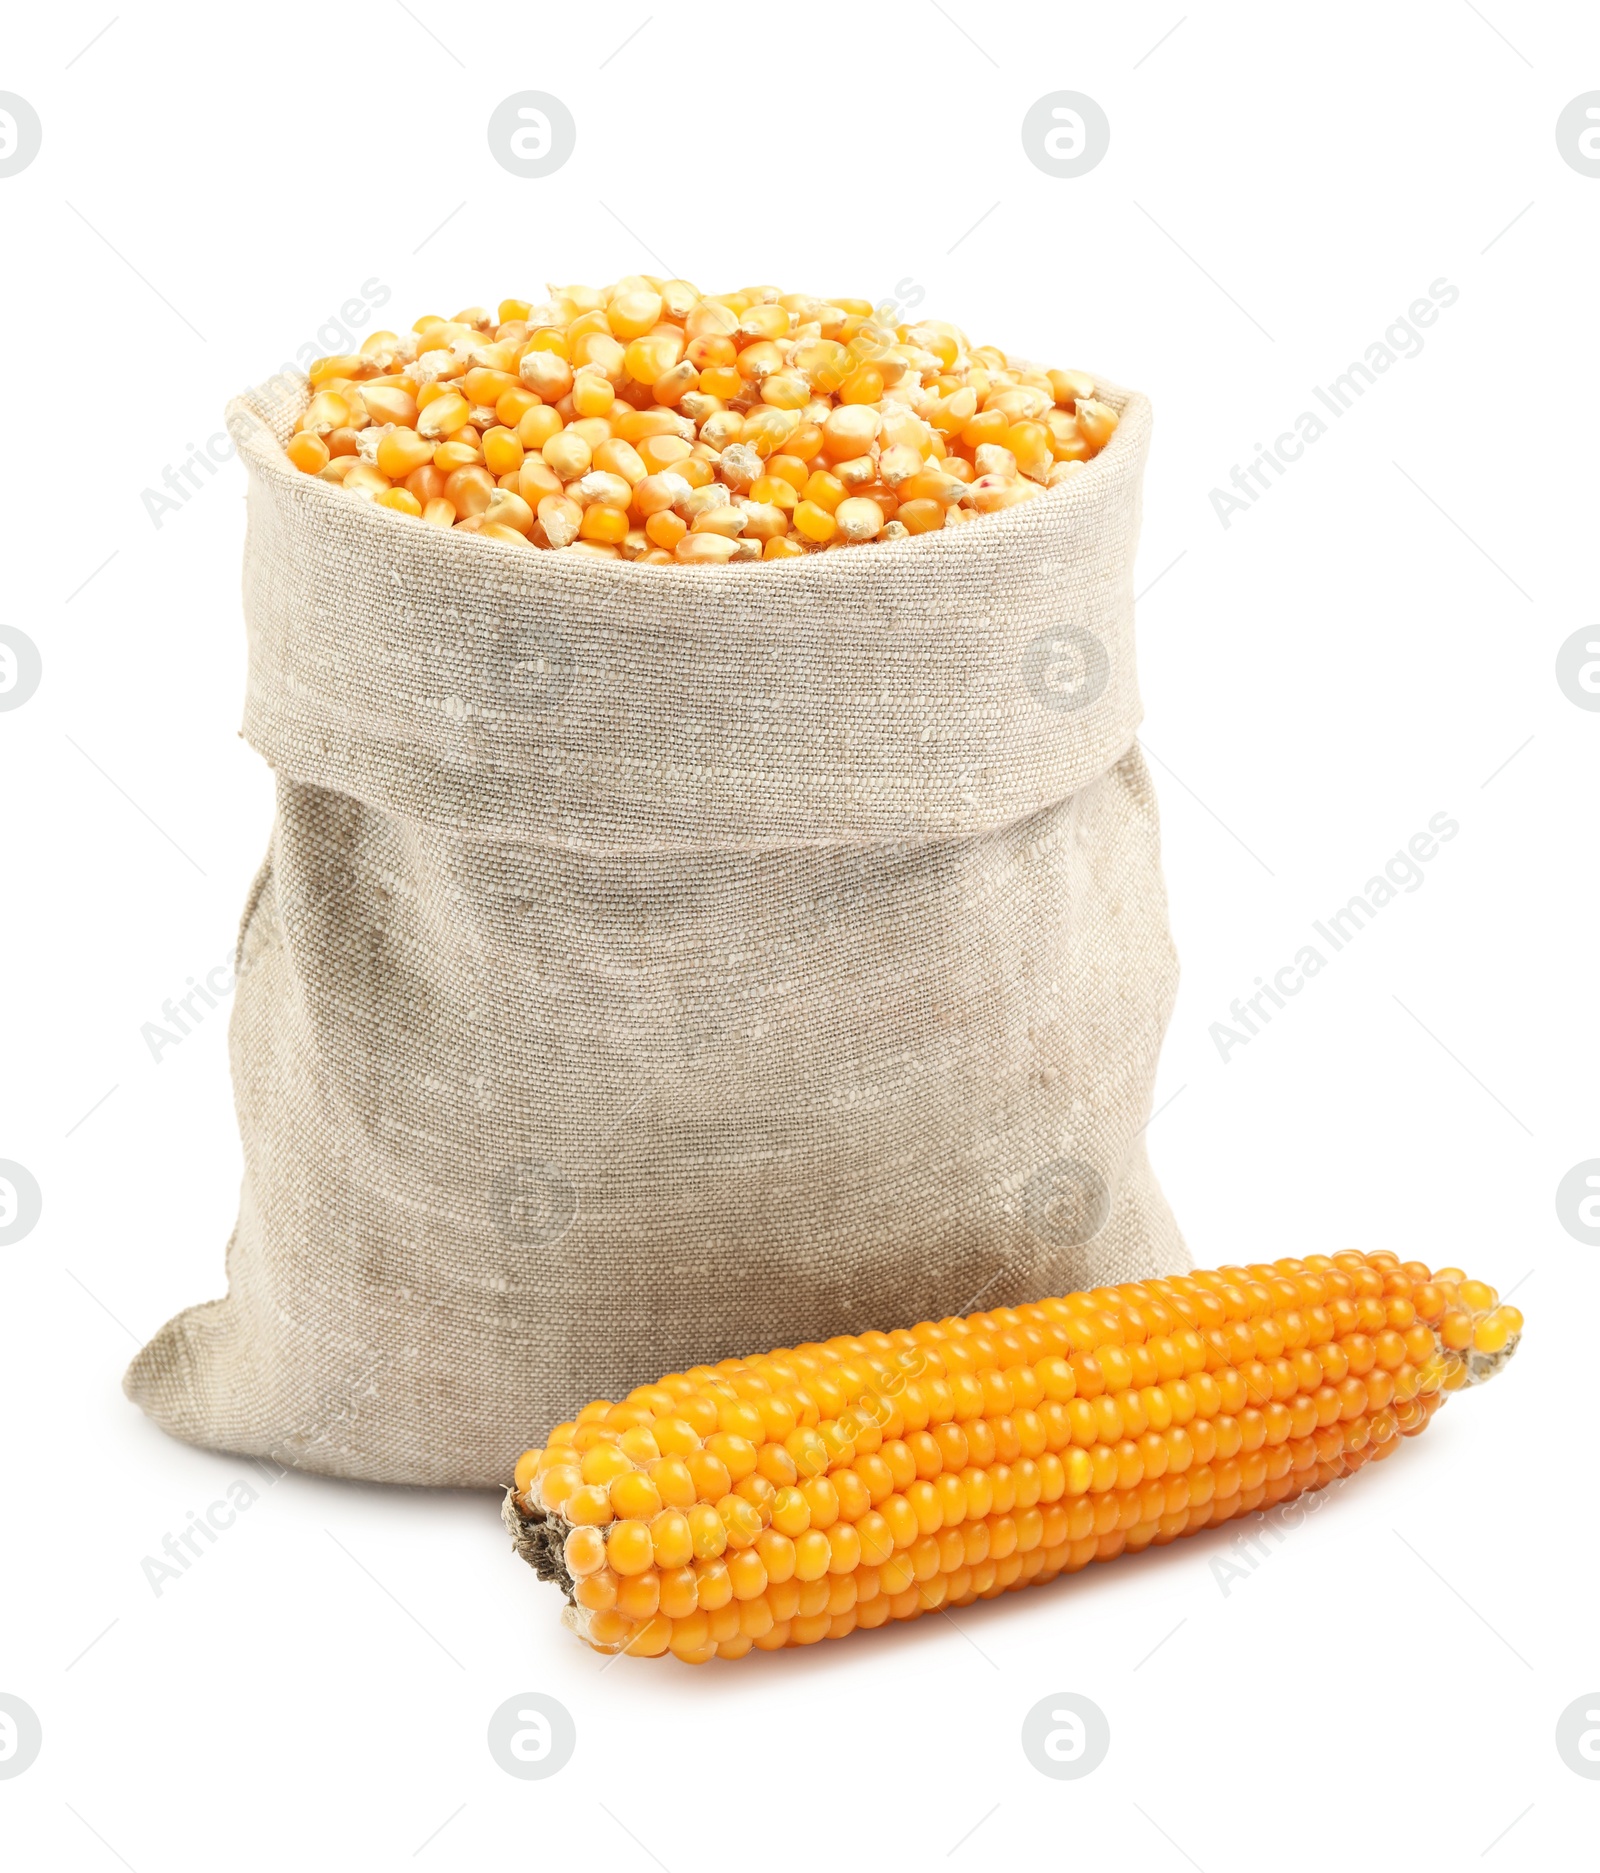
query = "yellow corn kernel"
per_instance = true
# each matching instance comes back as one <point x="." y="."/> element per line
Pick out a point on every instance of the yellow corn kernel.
<point x="629" y="1549"/>
<point x="665" y="528"/>
<point x="514" y="404"/>
<point x="568" y="454"/>
<point x="469" y="491"/>
<point x="989" y="493"/>
<point x="403" y="450"/>
<point x="616" y="457"/>
<point x="764" y="521"/>
<point x="856" y="473"/>
<point x="1069" y="386"/>
<point x="814" y="522"/>
<point x="366" y="478"/>
<point x="657" y="454"/>
<point x="600" y="486"/>
<point x="1029" y="444"/>
<point x="785" y="390"/>
<point x="648" y="358"/>
<point x="308" y="452"/>
<point x="655" y="493"/>
<point x="776" y="490"/>
<point x="592" y="394"/>
<point x="726" y="519"/>
<point x="694" y="469"/>
<point x="507" y="509"/>
<point x="858" y="519"/>
<point x="440" y="417"/>
<point x="389" y="403"/>
<point x="633" y="313"/>
<point x="920" y="516"/>
<point x="344" y="365"/>
<point x="538" y="425"/>
<point x="634" y="425"/>
<point x="824" y="490"/>
<point x="326" y="411"/>
<point x="705" y="549"/>
<point x="991" y="458"/>
<point x="673" y="384"/>
<point x="545" y="372"/>
<point x="1097" y="423"/>
<point x="607" y="525"/>
<point x="560" y="519"/>
<point x="449" y="456"/>
<point x="502" y="451"/>
<point x="601" y="351"/>
<point x="536" y="479"/>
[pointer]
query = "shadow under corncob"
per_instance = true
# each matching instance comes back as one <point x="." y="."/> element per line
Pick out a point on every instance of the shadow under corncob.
<point x="797" y="1495"/>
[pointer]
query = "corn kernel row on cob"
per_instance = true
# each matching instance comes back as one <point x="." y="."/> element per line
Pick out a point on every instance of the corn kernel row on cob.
<point x="780" y="1500"/>
<point x="648" y="421"/>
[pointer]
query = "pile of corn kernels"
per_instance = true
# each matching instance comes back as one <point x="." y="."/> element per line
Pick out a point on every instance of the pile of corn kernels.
<point x="651" y="422"/>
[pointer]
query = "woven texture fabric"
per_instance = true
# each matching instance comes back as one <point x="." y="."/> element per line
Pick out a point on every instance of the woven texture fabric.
<point x="657" y="963"/>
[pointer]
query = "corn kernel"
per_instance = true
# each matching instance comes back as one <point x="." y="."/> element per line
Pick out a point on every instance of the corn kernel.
<point x="858" y="519"/>
<point x="308" y="452"/>
<point x="814" y="523"/>
<point x="705" y="549"/>
<point x="403" y="450"/>
<point x="506" y="509"/>
<point x="502" y="450"/>
<point x="607" y="525"/>
<point x="366" y="478"/>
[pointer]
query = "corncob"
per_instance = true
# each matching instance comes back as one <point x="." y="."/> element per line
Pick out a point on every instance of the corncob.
<point x="649" y="421"/>
<point x="780" y="1500"/>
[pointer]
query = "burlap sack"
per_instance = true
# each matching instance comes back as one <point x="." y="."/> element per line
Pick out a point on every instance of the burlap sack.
<point x="657" y="963"/>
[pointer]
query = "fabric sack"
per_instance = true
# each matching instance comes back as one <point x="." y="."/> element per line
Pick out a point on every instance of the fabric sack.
<point x="653" y="964"/>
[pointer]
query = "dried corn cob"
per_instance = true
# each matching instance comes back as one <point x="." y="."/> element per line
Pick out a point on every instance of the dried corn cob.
<point x="784" y="1499"/>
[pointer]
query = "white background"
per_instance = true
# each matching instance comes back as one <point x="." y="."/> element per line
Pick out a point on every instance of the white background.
<point x="1372" y="643"/>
